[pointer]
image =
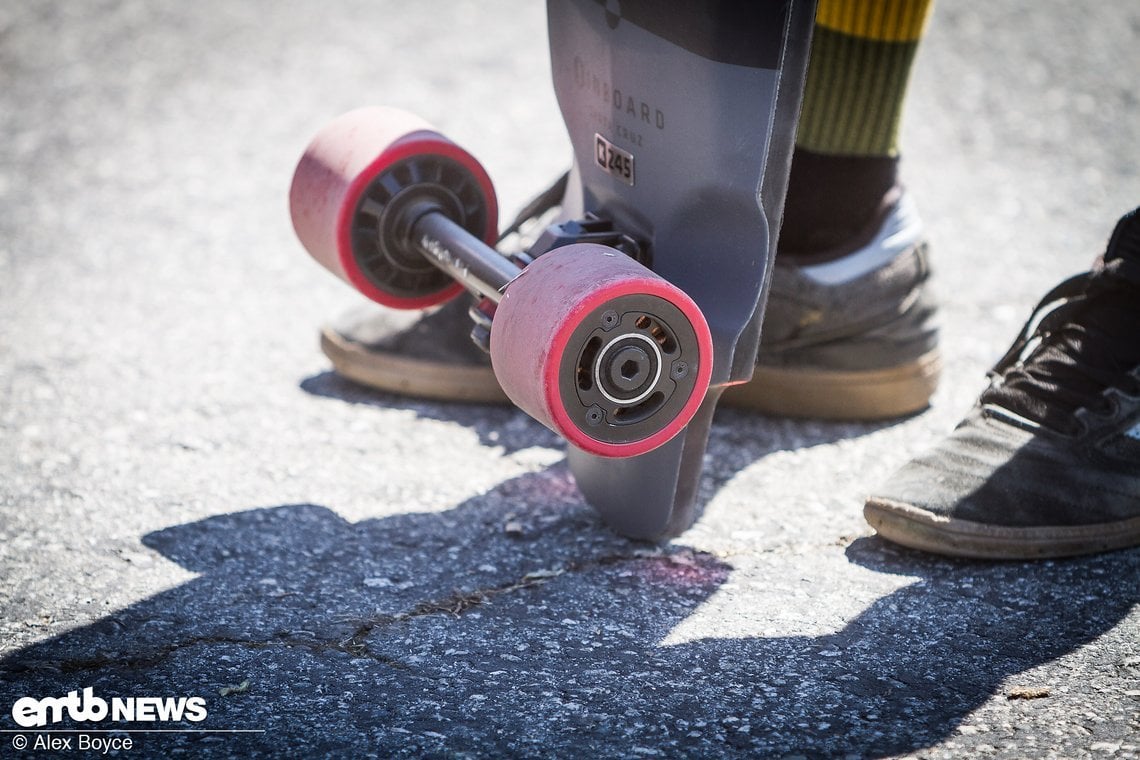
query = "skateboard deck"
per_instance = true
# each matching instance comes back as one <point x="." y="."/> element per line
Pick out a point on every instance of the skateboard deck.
<point x="682" y="119"/>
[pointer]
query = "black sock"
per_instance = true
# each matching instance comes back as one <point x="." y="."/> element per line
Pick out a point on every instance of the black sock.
<point x="832" y="200"/>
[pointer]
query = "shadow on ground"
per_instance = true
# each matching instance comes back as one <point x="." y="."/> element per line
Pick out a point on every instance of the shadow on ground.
<point x="751" y="435"/>
<point x="440" y="633"/>
<point x="738" y="438"/>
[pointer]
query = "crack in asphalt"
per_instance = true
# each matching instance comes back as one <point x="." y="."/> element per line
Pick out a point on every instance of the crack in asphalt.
<point x="355" y="645"/>
<point x="460" y="602"/>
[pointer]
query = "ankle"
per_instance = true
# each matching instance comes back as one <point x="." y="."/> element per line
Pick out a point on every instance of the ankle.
<point x="834" y="201"/>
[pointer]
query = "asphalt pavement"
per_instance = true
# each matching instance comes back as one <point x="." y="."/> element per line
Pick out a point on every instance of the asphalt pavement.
<point x="193" y="507"/>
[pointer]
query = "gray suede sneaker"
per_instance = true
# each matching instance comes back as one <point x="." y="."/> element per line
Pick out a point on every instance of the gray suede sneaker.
<point x="1048" y="463"/>
<point x="848" y="337"/>
<point x="851" y="334"/>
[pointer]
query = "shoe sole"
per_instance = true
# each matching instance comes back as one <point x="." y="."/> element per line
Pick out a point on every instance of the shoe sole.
<point x="418" y="378"/>
<point x="863" y="396"/>
<point x="920" y="529"/>
<point x="819" y="394"/>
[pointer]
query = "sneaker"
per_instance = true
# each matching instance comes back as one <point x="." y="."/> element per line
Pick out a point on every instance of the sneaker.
<point x="425" y="355"/>
<point x="1048" y="462"/>
<point x="849" y="336"/>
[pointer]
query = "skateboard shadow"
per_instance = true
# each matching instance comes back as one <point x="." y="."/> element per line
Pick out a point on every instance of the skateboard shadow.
<point x="443" y="633"/>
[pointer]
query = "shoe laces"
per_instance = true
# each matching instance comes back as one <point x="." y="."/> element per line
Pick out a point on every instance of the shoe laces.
<point x="1082" y="340"/>
<point x="538" y="206"/>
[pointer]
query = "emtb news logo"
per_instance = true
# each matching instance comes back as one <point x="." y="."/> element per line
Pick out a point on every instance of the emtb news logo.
<point x="30" y="712"/>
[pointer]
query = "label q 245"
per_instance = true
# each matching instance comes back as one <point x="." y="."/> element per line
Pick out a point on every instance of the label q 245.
<point x="613" y="160"/>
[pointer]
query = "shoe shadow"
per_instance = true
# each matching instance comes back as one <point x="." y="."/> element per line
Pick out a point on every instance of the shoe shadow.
<point x="738" y="438"/>
<point x="443" y="633"/>
<point x="495" y="425"/>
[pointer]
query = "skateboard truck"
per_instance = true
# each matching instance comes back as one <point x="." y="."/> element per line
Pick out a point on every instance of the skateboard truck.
<point x="583" y="338"/>
<point x="591" y="229"/>
<point x="619" y="330"/>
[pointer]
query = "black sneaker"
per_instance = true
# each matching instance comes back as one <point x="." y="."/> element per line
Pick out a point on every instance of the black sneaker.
<point x="1048" y="463"/>
<point x="850" y="336"/>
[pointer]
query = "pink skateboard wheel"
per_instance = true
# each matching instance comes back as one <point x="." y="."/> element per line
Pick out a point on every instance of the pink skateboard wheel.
<point x="601" y="350"/>
<point x="350" y="184"/>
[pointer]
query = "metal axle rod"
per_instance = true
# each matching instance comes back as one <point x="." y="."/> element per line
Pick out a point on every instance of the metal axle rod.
<point x="464" y="257"/>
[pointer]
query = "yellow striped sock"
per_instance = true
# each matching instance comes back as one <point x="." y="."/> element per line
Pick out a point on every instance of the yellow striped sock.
<point x="861" y="59"/>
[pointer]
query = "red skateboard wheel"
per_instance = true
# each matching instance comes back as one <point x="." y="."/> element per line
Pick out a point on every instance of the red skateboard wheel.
<point x="601" y="350"/>
<point x="353" y="177"/>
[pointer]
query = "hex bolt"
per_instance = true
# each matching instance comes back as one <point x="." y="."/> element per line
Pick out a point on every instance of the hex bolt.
<point x="679" y="369"/>
<point x="626" y="369"/>
<point x="610" y="319"/>
<point x="595" y="415"/>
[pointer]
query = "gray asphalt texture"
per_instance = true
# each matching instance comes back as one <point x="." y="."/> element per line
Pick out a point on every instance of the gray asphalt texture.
<point x="193" y="505"/>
